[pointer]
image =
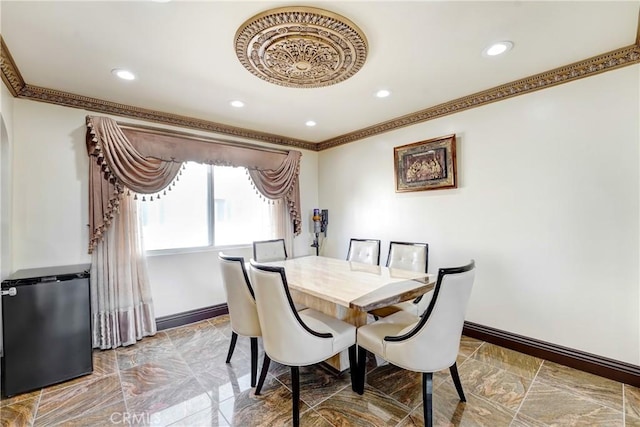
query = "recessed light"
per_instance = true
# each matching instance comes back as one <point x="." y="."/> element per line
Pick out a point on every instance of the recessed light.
<point x="310" y="123"/>
<point x="498" y="48"/>
<point x="383" y="93"/>
<point x="123" y="74"/>
<point x="237" y="104"/>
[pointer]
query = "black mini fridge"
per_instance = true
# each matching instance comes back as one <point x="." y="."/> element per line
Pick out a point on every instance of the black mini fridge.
<point x="46" y="327"/>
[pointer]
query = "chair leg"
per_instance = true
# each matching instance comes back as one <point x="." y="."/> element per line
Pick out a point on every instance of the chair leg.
<point x="263" y="374"/>
<point x="427" y="398"/>
<point x="362" y="369"/>
<point x="353" y="368"/>
<point x="254" y="360"/>
<point x="456" y="380"/>
<point x="295" y="385"/>
<point x="232" y="346"/>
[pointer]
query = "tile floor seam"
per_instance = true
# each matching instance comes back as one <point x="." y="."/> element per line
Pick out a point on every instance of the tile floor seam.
<point x="124" y="400"/>
<point x="574" y="393"/>
<point x="624" y="409"/>
<point x="491" y="402"/>
<point x="391" y="397"/>
<point x="580" y="396"/>
<point x="501" y="366"/>
<point x="405" y="417"/>
<point x="37" y="407"/>
<point x="325" y="399"/>
<point x="162" y="387"/>
<point x="533" y="380"/>
<point x="154" y="390"/>
<point x="502" y="370"/>
<point x="57" y="422"/>
<point x="463" y="362"/>
<point x="474" y="351"/>
<point x="193" y="374"/>
<point x="35" y="412"/>
<point x="96" y="409"/>
<point x="290" y="389"/>
<point x="320" y="415"/>
<point x="420" y="401"/>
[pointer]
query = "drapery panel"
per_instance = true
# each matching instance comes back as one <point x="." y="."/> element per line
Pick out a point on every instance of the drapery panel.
<point x="118" y="166"/>
<point x="282" y="183"/>
<point x="124" y="159"/>
<point x="121" y="302"/>
<point x="146" y="161"/>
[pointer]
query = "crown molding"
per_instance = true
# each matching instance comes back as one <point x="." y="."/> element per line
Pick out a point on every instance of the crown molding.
<point x="589" y="67"/>
<point x="10" y="74"/>
<point x="638" y="30"/>
<point x="66" y="99"/>
<point x="609" y="61"/>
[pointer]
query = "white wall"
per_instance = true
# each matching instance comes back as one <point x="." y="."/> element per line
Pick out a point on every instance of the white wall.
<point x="6" y="131"/>
<point x="50" y="208"/>
<point x="547" y="205"/>
<point x="50" y="186"/>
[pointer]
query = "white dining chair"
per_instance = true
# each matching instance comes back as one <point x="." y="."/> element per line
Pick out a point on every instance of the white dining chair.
<point x="296" y="338"/>
<point x="243" y="313"/>
<point x="269" y="250"/>
<point x="407" y="256"/>
<point x="366" y="251"/>
<point x="426" y="343"/>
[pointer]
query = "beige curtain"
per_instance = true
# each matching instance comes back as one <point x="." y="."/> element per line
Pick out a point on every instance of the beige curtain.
<point x="121" y="300"/>
<point x="118" y="166"/>
<point x="146" y="161"/>
<point x="282" y="225"/>
<point x="282" y="184"/>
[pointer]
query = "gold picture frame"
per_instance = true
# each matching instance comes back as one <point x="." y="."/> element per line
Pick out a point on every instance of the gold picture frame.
<point x="426" y="165"/>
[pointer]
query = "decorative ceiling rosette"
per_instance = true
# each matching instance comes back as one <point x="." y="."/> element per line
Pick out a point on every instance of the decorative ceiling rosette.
<point x="302" y="47"/>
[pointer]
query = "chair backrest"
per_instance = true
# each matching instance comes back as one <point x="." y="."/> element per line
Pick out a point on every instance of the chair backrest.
<point x="366" y="251"/>
<point x="269" y="250"/>
<point x="286" y="338"/>
<point x="433" y="342"/>
<point x="408" y="256"/>
<point x="243" y="312"/>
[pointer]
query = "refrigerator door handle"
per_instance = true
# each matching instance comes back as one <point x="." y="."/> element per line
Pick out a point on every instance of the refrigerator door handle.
<point x="11" y="292"/>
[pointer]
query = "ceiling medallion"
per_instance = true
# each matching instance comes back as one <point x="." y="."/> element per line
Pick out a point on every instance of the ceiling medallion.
<point x="301" y="47"/>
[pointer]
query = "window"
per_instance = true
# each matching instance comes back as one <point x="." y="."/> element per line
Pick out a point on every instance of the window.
<point x="208" y="206"/>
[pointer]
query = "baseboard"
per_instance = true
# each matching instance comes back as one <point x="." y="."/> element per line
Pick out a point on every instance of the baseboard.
<point x="191" y="316"/>
<point x="598" y="365"/>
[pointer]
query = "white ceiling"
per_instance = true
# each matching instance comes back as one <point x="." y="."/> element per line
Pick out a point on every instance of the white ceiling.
<point x="183" y="53"/>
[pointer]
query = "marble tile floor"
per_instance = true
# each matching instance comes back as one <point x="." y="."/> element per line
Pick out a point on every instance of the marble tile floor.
<point x="179" y="378"/>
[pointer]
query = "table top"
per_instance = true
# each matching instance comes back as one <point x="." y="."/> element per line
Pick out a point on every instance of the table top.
<point x="358" y="286"/>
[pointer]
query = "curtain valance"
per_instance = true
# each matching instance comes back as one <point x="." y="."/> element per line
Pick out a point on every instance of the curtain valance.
<point x="146" y="161"/>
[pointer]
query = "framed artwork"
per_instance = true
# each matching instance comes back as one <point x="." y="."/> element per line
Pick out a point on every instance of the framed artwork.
<point x="426" y="165"/>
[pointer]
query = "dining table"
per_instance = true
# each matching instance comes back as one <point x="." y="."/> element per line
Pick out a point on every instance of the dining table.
<point x="348" y="290"/>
